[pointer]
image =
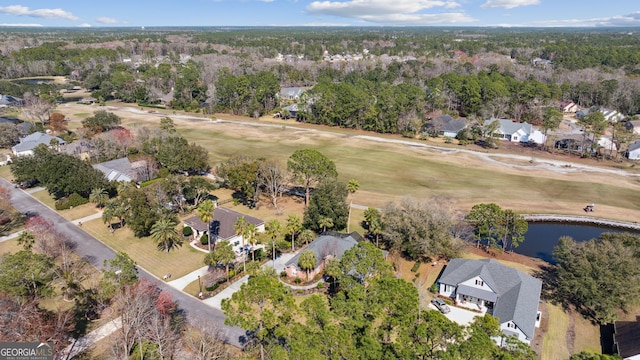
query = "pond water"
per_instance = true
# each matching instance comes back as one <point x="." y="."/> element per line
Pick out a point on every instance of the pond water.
<point x="35" y="81"/>
<point x="543" y="237"/>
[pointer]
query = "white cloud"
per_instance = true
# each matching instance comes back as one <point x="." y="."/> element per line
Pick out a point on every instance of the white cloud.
<point x="632" y="19"/>
<point x="20" y="10"/>
<point x="106" y="20"/>
<point x="421" y="19"/>
<point x="401" y="12"/>
<point x="508" y="4"/>
<point x="21" y="25"/>
<point x="84" y="25"/>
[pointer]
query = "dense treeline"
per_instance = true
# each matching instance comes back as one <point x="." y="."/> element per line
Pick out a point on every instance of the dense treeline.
<point x="403" y="75"/>
<point x="600" y="276"/>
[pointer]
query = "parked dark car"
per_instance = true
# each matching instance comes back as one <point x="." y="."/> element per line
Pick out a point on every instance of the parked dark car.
<point x="441" y="305"/>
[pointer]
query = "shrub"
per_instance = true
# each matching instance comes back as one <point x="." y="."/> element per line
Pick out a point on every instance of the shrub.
<point x="416" y="266"/>
<point x="297" y="281"/>
<point x="283" y="273"/>
<point x="70" y="201"/>
<point x="320" y="285"/>
<point x="232" y="273"/>
<point x="434" y="288"/>
<point x="204" y="239"/>
<point x="187" y="231"/>
<point x="259" y="254"/>
<point x="212" y="287"/>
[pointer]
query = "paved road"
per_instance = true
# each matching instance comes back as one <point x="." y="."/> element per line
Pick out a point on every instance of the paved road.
<point x="95" y="252"/>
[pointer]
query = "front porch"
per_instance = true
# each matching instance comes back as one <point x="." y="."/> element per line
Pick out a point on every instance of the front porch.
<point x="475" y="299"/>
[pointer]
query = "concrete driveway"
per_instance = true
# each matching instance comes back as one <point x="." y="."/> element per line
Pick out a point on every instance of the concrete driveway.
<point x="460" y="316"/>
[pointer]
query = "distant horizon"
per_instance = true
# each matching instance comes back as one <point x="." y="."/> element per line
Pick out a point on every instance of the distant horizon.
<point x="453" y="27"/>
<point x="322" y="13"/>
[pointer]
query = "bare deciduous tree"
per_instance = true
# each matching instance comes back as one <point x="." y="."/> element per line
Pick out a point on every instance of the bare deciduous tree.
<point x="36" y="108"/>
<point x="273" y="177"/>
<point x="206" y="343"/>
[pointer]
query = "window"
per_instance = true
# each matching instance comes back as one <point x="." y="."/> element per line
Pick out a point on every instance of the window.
<point x="479" y="282"/>
<point x="511" y="325"/>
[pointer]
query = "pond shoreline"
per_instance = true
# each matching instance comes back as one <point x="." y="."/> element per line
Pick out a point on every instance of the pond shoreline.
<point x="573" y="219"/>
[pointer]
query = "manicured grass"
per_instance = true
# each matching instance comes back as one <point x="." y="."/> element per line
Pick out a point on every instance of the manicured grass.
<point x="177" y="262"/>
<point x="9" y="247"/>
<point x="44" y="197"/>
<point x="193" y="288"/>
<point x="587" y="335"/>
<point x="388" y="171"/>
<point x="554" y="343"/>
<point x="5" y="172"/>
<point x="77" y="212"/>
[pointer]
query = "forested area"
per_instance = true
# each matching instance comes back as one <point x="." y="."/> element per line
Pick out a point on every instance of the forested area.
<point x="405" y="75"/>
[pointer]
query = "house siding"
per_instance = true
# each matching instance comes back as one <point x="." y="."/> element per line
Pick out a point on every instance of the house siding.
<point x="510" y="328"/>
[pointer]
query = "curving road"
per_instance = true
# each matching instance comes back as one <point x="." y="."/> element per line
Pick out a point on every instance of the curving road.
<point x="95" y="252"/>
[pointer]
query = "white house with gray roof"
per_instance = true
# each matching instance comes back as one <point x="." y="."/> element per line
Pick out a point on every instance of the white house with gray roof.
<point x="516" y="132"/>
<point x="506" y="293"/>
<point x="633" y="153"/>
<point x="30" y="142"/>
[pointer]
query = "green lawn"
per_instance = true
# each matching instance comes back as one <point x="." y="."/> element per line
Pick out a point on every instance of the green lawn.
<point x="554" y="343"/>
<point x="177" y="262"/>
<point x="71" y="214"/>
<point x="9" y="246"/>
<point x="5" y="172"/>
<point x="389" y="171"/>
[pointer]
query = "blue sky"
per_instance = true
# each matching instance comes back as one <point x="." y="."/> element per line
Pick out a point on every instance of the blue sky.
<point x="320" y="13"/>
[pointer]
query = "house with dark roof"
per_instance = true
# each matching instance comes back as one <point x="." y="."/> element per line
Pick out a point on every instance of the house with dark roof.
<point x="506" y="293"/>
<point x="516" y="132"/>
<point x="326" y="247"/>
<point x="30" y="142"/>
<point x="444" y="125"/>
<point x="10" y="101"/>
<point x="633" y="126"/>
<point x="123" y="170"/>
<point x="222" y="226"/>
<point x="626" y="339"/>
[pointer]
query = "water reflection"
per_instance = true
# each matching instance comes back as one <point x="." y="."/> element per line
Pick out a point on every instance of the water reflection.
<point x="543" y="237"/>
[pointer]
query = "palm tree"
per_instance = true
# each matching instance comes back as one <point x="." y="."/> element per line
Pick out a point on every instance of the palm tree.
<point x="307" y="236"/>
<point x="99" y="196"/>
<point x="294" y="225"/>
<point x="325" y="222"/>
<point x="108" y="214"/>
<point x="251" y="233"/>
<point x="205" y="213"/>
<point x="375" y="229"/>
<point x="165" y="235"/>
<point x="352" y="186"/>
<point x="223" y="253"/>
<point x="241" y="229"/>
<point x="26" y="239"/>
<point x="273" y="229"/>
<point x="307" y="261"/>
